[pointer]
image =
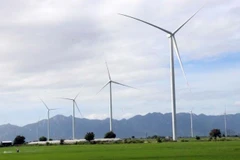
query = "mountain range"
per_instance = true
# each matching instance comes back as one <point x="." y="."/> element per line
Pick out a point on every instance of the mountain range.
<point x="138" y="126"/>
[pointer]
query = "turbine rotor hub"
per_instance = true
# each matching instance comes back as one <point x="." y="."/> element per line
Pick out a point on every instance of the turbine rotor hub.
<point x="169" y="35"/>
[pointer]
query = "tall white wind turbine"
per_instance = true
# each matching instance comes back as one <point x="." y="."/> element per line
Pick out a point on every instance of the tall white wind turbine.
<point x="173" y="44"/>
<point x="48" y="134"/>
<point x="73" y="117"/>
<point x="110" y="82"/>
<point x="191" y="119"/>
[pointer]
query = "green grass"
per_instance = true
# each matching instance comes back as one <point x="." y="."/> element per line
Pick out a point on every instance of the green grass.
<point x="227" y="150"/>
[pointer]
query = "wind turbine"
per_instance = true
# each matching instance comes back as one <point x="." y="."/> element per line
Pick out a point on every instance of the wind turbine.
<point x="37" y="129"/>
<point x="173" y="44"/>
<point x="191" y="124"/>
<point x="110" y="82"/>
<point x="225" y="122"/>
<point x="48" y="117"/>
<point x="73" y="117"/>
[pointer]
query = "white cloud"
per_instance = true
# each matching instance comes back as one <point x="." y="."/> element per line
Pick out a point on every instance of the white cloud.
<point x="50" y="49"/>
<point x="97" y="116"/>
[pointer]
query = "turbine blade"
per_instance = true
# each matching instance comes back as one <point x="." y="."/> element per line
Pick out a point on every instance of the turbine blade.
<point x="123" y="85"/>
<point x="65" y="98"/>
<point x="164" y="30"/>
<point x="103" y="87"/>
<point x="78" y="93"/>
<point x="78" y="108"/>
<point x="44" y="104"/>
<point x="53" y="109"/>
<point x="187" y="20"/>
<point x="109" y="76"/>
<point x="180" y="61"/>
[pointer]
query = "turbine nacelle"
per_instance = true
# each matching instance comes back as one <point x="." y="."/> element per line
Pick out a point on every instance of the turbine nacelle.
<point x="169" y="35"/>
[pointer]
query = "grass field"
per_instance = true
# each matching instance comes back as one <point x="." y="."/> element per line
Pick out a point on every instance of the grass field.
<point x="227" y="150"/>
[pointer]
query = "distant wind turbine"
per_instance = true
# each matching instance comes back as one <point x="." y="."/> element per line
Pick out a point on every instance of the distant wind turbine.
<point x="191" y="119"/>
<point x="173" y="44"/>
<point x="110" y="100"/>
<point x="37" y="129"/>
<point x="48" y="117"/>
<point x="225" y="122"/>
<point x="73" y="117"/>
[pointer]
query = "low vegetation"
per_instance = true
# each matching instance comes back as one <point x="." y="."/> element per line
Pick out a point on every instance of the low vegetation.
<point x="110" y="135"/>
<point x="19" y="140"/>
<point x="182" y="151"/>
<point x="43" y="138"/>
<point x="89" y="136"/>
<point x="214" y="133"/>
<point x="61" y="141"/>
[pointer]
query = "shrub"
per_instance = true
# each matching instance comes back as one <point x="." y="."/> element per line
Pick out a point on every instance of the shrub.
<point x="184" y="140"/>
<point x="197" y="138"/>
<point x="215" y="133"/>
<point x="61" y="141"/>
<point x="117" y="142"/>
<point x="159" y="140"/>
<point x="128" y="141"/>
<point x="222" y="139"/>
<point x="154" y="136"/>
<point x="210" y="138"/>
<point x="42" y="138"/>
<point x="89" y="136"/>
<point x="110" y="134"/>
<point x="83" y="143"/>
<point x="19" y="140"/>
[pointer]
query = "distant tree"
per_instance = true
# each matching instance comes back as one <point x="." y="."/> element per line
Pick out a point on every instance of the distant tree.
<point x="159" y="140"/>
<point x="110" y="134"/>
<point x="215" y="133"/>
<point x="198" y="138"/>
<point x="19" y="140"/>
<point x="154" y="136"/>
<point x="43" y="138"/>
<point x="133" y="137"/>
<point x="89" y="136"/>
<point x="61" y="141"/>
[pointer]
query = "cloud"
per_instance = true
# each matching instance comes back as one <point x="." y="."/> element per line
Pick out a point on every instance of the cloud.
<point x="51" y="48"/>
<point x="97" y="116"/>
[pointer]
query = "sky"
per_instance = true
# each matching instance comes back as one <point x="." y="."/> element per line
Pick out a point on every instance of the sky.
<point x="57" y="48"/>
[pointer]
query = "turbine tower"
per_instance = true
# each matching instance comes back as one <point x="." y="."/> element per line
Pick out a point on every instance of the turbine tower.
<point x="173" y="45"/>
<point x="73" y="117"/>
<point x="37" y="129"/>
<point x="225" y="122"/>
<point x="110" y="82"/>
<point x="48" y="134"/>
<point x="191" y="124"/>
